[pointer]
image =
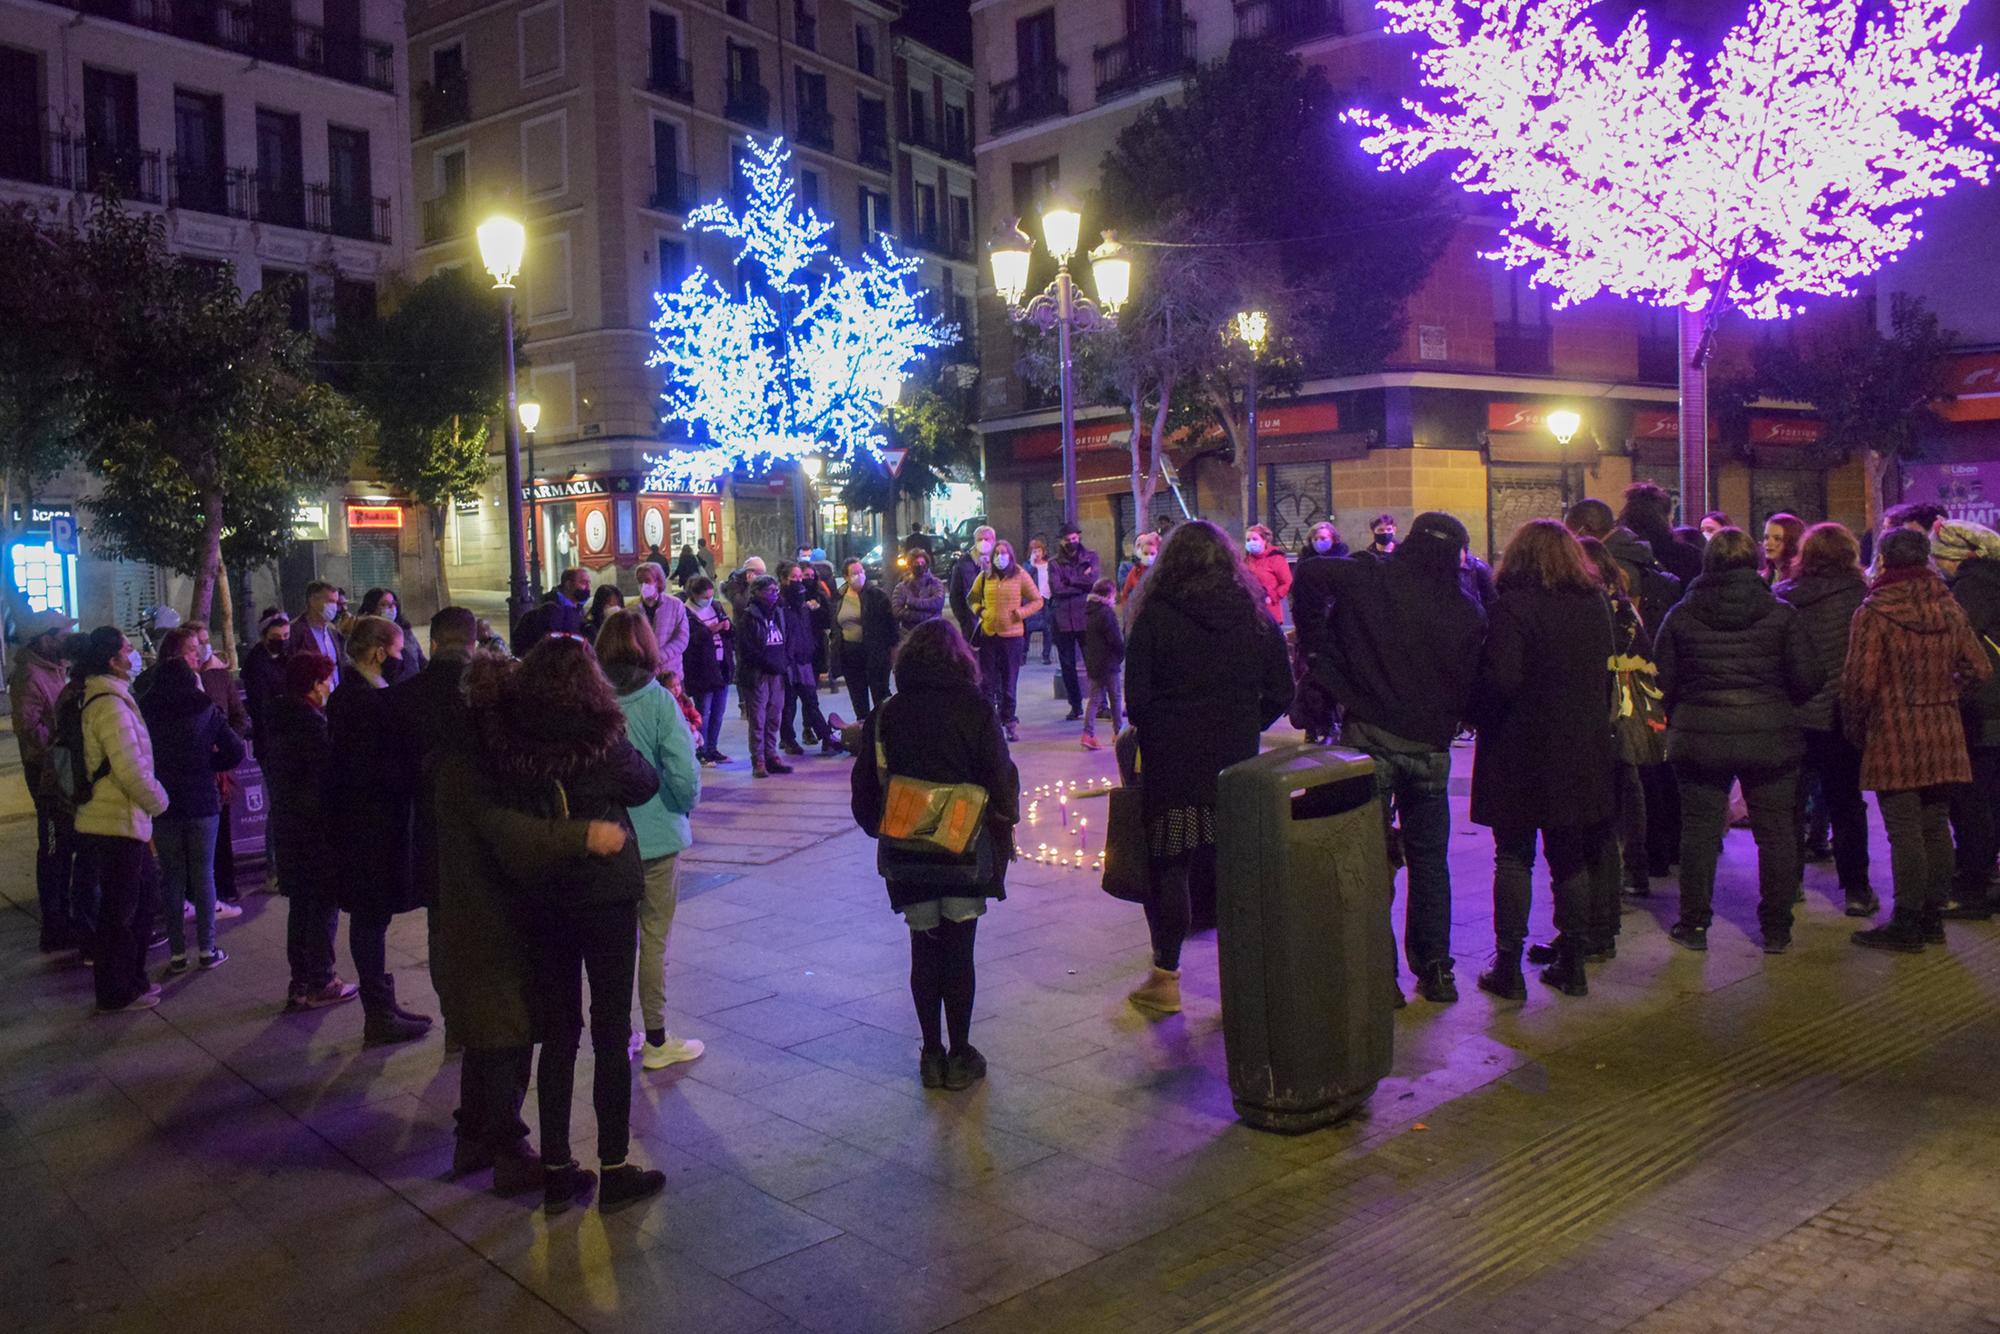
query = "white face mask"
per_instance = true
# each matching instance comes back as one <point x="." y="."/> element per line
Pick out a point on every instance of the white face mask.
<point x="1254" y="545"/>
<point x="1000" y="561"/>
<point x="1147" y="557"/>
<point x="859" y="579"/>
<point x="649" y="593"/>
<point x="134" y="664"/>
<point x="329" y="612"/>
<point x="203" y="652"/>
<point x="1322" y="545"/>
<point x="985" y="548"/>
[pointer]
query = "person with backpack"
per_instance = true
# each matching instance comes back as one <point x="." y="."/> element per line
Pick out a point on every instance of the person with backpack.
<point x="192" y="742"/>
<point x="33" y="689"/>
<point x="104" y="759"/>
<point x="1653" y="589"/>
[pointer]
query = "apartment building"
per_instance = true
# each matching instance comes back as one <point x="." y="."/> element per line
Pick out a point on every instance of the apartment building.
<point x="1455" y="420"/>
<point x="270" y="136"/>
<point x="602" y="124"/>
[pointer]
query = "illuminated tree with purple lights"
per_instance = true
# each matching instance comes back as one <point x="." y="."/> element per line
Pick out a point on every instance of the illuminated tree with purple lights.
<point x="1791" y="165"/>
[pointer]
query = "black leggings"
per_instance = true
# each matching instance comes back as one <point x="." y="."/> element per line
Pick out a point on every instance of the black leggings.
<point x="1167" y="914"/>
<point x="568" y="947"/>
<point x="941" y="976"/>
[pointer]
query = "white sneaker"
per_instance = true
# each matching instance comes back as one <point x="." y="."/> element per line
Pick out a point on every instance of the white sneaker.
<point x="671" y="1052"/>
<point x="224" y="910"/>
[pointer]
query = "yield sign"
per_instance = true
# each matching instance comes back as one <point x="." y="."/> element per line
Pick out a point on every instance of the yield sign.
<point x="893" y="460"/>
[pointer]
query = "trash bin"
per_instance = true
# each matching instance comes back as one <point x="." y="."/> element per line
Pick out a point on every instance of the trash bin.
<point x="1308" y="960"/>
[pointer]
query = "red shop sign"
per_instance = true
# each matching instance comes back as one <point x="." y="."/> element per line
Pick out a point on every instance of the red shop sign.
<point x="374" y="516"/>
<point x="1656" y="424"/>
<point x="1767" y="429"/>
<point x="1518" y="416"/>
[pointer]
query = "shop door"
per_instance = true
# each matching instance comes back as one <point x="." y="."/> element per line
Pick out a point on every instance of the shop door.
<point x="373" y="560"/>
<point x="763" y="528"/>
<point x="1515" y="495"/>
<point x="1298" y="495"/>
<point x="1786" y="491"/>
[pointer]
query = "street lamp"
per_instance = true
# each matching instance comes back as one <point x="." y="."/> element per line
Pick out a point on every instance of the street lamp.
<point x="1251" y="328"/>
<point x="1563" y="426"/>
<point x="502" y="242"/>
<point x="530" y="413"/>
<point x="1060" y="306"/>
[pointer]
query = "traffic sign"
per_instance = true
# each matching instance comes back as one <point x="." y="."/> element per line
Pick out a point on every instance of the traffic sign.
<point x="62" y="534"/>
<point x="893" y="459"/>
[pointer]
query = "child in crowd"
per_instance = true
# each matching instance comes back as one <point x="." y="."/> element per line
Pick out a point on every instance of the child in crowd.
<point x="1103" y="661"/>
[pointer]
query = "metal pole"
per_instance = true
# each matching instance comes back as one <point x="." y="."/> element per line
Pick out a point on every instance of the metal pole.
<point x="534" y="530"/>
<point x="1250" y="444"/>
<point x="1065" y="311"/>
<point x="518" y="598"/>
<point x="1695" y="499"/>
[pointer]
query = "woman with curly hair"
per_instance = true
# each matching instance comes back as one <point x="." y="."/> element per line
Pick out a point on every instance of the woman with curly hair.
<point x="1206" y="671"/>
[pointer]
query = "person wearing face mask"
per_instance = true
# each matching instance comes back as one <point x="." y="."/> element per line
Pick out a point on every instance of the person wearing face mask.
<point x="667" y="615"/>
<point x="606" y="600"/>
<point x="219" y="684"/>
<point x="294" y="752"/>
<point x="1145" y="550"/>
<point x="1268" y="566"/>
<point x="709" y="663"/>
<point x="1323" y="543"/>
<point x="965" y="572"/>
<point x="1004" y="597"/>
<point x="1072" y="575"/>
<point x="802" y="605"/>
<point x="919" y="596"/>
<point x="561" y="612"/>
<point x="766" y="658"/>
<point x="1041" y="622"/>
<point x="264" y="671"/>
<point x="375" y="823"/>
<point x="867" y="639"/>
<point x="115" y="822"/>
<point x="315" y="631"/>
<point x="383" y="602"/>
<point x="1382" y="534"/>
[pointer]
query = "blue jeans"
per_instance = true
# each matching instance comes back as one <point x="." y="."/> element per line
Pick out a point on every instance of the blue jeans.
<point x="712" y="705"/>
<point x="187" y="867"/>
<point x="1415" y="789"/>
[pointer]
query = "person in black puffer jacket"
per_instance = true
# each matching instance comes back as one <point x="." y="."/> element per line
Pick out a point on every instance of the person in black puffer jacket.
<point x="1827" y="589"/>
<point x="804" y="602"/>
<point x="552" y="738"/>
<point x="192" y="743"/>
<point x="1734" y="665"/>
<point x="1969" y="556"/>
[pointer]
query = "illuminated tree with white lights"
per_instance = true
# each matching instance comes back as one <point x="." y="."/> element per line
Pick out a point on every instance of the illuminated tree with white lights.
<point x="801" y="361"/>
<point x="1791" y="165"/>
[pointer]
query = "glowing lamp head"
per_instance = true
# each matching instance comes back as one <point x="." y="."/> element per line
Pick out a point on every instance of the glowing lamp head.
<point x="1563" y="425"/>
<point x="1112" y="270"/>
<point x="502" y="242"/>
<point x="1061" y="225"/>
<point x="890" y="388"/>
<point x="531" y="414"/>
<point x="1009" y="253"/>
<point x="814" y="465"/>
<point x="1251" y="328"/>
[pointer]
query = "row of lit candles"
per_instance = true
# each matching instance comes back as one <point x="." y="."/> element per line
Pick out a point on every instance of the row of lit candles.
<point x="1062" y="791"/>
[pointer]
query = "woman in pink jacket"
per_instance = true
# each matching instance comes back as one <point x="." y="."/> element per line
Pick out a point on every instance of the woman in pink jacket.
<point x="1268" y="566"/>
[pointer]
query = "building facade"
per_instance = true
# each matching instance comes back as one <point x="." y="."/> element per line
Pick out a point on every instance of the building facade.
<point x="1456" y="419"/>
<point x="271" y="137"/>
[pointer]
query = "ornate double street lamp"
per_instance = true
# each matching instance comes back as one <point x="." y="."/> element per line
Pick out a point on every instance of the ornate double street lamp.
<point x="502" y="242"/>
<point x="530" y="413"/>
<point x="1060" y="306"/>
<point x="1563" y="425"/>
<point x="1252" y="328"/>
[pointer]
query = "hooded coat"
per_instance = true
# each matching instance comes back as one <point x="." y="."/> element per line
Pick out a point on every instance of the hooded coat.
<point x="1734" y="665"/>
<point x="918" y="598"/>
<point x="192" y="743"/>
<point x="1203" y="679"/>
<point x="32" y="690"/>
<point x="1653" y="588"/>
<point x="1977" y="589"/>
<point x="1911" y="660"/>
<point x="1826" y="604"/>
<point x="1273" y="574"/>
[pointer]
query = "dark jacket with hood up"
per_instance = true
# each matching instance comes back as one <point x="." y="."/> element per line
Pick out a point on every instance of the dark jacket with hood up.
<point x="1826" y="604"/>
<point x="1654" y="589"/>
<point x="192" y="743"/>
<point x="1203" y="679"/>
<point x="1734" y="665"/>
<point x="1977" y="589"/>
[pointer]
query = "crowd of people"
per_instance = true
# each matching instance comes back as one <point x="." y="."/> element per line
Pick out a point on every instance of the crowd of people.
<point x="1630" y="687"/>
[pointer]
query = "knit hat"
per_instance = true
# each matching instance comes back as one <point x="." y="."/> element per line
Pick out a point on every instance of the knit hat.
<point x="1438" y="525"/>
<point x="1956" y="539"/>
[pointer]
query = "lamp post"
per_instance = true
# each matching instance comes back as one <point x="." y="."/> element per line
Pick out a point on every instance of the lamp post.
<point x="530" y="413"/>
<point x="1563" y="426"/>
<point x="810" y="468"/>
<point x="1251" y="328"/>
<point x="1060" y="306"/>
<point x="892" y="394"/>
<point x="502" y="241"/>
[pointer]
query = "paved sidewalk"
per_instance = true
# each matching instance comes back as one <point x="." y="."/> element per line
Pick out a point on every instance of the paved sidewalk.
<point x="1808" y="1142"/>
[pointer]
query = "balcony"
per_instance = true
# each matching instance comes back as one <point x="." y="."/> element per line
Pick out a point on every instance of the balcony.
<point x="445" y="103"/>
<point x="444" y="218"/>
<point x="675" y="191"/>
<point x="1522" y="349"/>
<point x="277" y="201"/>
<point x="936" y="140"/>
<point x="134" y="173"/>
<point x="874" y="150"/>
<point x="936" y="241"/>
<point x="1031" y="95"/>
<point x="1151" y="55"/>
<point x="747" y="103"/>
<point x="671" y="78"/>
<point x="205" y="188"/>
<point x="815" y="128"/>
<point x="357" y="217"/>
<point x="31" y="154"/>
<point x="1288" y="21"/>
<point x="236" y="27"/>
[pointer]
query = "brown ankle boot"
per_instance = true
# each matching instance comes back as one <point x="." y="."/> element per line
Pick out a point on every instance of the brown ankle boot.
<point x="1160" y="993"/>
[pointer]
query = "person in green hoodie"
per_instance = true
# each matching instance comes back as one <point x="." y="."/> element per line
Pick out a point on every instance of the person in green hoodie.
<point x="629" y="653"/>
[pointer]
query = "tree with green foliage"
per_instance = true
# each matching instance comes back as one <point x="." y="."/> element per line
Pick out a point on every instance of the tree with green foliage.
<point x="929" y="421"/>
<point x="204" y="418"/>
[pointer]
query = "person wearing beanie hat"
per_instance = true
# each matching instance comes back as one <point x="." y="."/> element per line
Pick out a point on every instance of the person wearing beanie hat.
<point x="264" y="672"/>
<point x="1968" y="555"/>
<point x="1395" y="641"/>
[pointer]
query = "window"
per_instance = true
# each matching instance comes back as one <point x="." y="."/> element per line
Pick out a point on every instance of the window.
<point x="21" y="120"/>
<point x="670" y="192"/>
<point x="350" y="181"/>
<point x="673" y="263"/>
<point x="547" y="278"/>
<point x="1034" y="182"/>
<point x="925" y="198"/>
<point x="450" y="171"/>
<point x="353" y="304"/>
<point x="873" y="115"/>
<point x="805" y="25"/>
<point x="961" y="224"/>
<point x="199" y="174"/>
<point x="957" y="129"/>
<point x="920" y="117"/>
<point x="1521" y="335"/>
<point x="668" y="71"/>
<point x="290" y="285"/>
<point x="809" y="189"/>
<point x="545" y="155"/>
<point x="738" y="9"/>
<point x="280" y="193"/>
<point x="815" y="121"/>
<point x="447" y="99"/>
<point x="448" y="63"/>
<point x="874" y="215"/>
<point x="554" y="387"/>
<point x="541" y="33"/>
<point x="1035" y="43"/>
<point x="111" y="133"/>
<point x="864" y="48"/>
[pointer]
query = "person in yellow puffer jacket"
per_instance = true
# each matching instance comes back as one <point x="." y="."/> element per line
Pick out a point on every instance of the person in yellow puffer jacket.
<point x="1003" y="597"/>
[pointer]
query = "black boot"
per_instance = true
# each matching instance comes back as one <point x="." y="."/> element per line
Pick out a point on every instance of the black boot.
<point x="1504" y="979"/>
<point x="381" y="1025"/>
<point x="395" y="1005"/>
<point x="1566" y="973"/>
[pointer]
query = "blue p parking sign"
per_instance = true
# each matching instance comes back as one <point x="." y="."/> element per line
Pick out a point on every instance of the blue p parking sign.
<point x="62" y="534"/>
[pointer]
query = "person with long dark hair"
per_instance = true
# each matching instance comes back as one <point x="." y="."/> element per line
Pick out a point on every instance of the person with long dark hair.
<point x="709" y="664"/>
<point x="192" y="743"/>
<point x="938" y="728"/>
<point x="553" y="741"/>
<point x="1206" y="671"/>
<point x="383" y="602"/>
<point x="1544" y="758"/>
<point x="1621" y="864"/>
<point x="295" y="752"/>
<point x="1827" y="587"/>
<point x="1648" y="511"/>
<point x="606" y="600"/>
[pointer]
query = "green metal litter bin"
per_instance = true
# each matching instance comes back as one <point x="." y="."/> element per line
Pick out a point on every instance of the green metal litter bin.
<point x="1308" y="960"/>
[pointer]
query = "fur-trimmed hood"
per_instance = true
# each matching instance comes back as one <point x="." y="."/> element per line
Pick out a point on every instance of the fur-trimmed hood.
<point x="526" y="739"/>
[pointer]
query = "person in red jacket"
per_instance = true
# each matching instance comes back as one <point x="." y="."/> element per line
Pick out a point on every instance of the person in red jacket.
<point x="1268" y="566"/>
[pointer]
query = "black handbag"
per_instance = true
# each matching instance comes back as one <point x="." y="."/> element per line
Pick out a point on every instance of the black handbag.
<point x="1127" y="858"/>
